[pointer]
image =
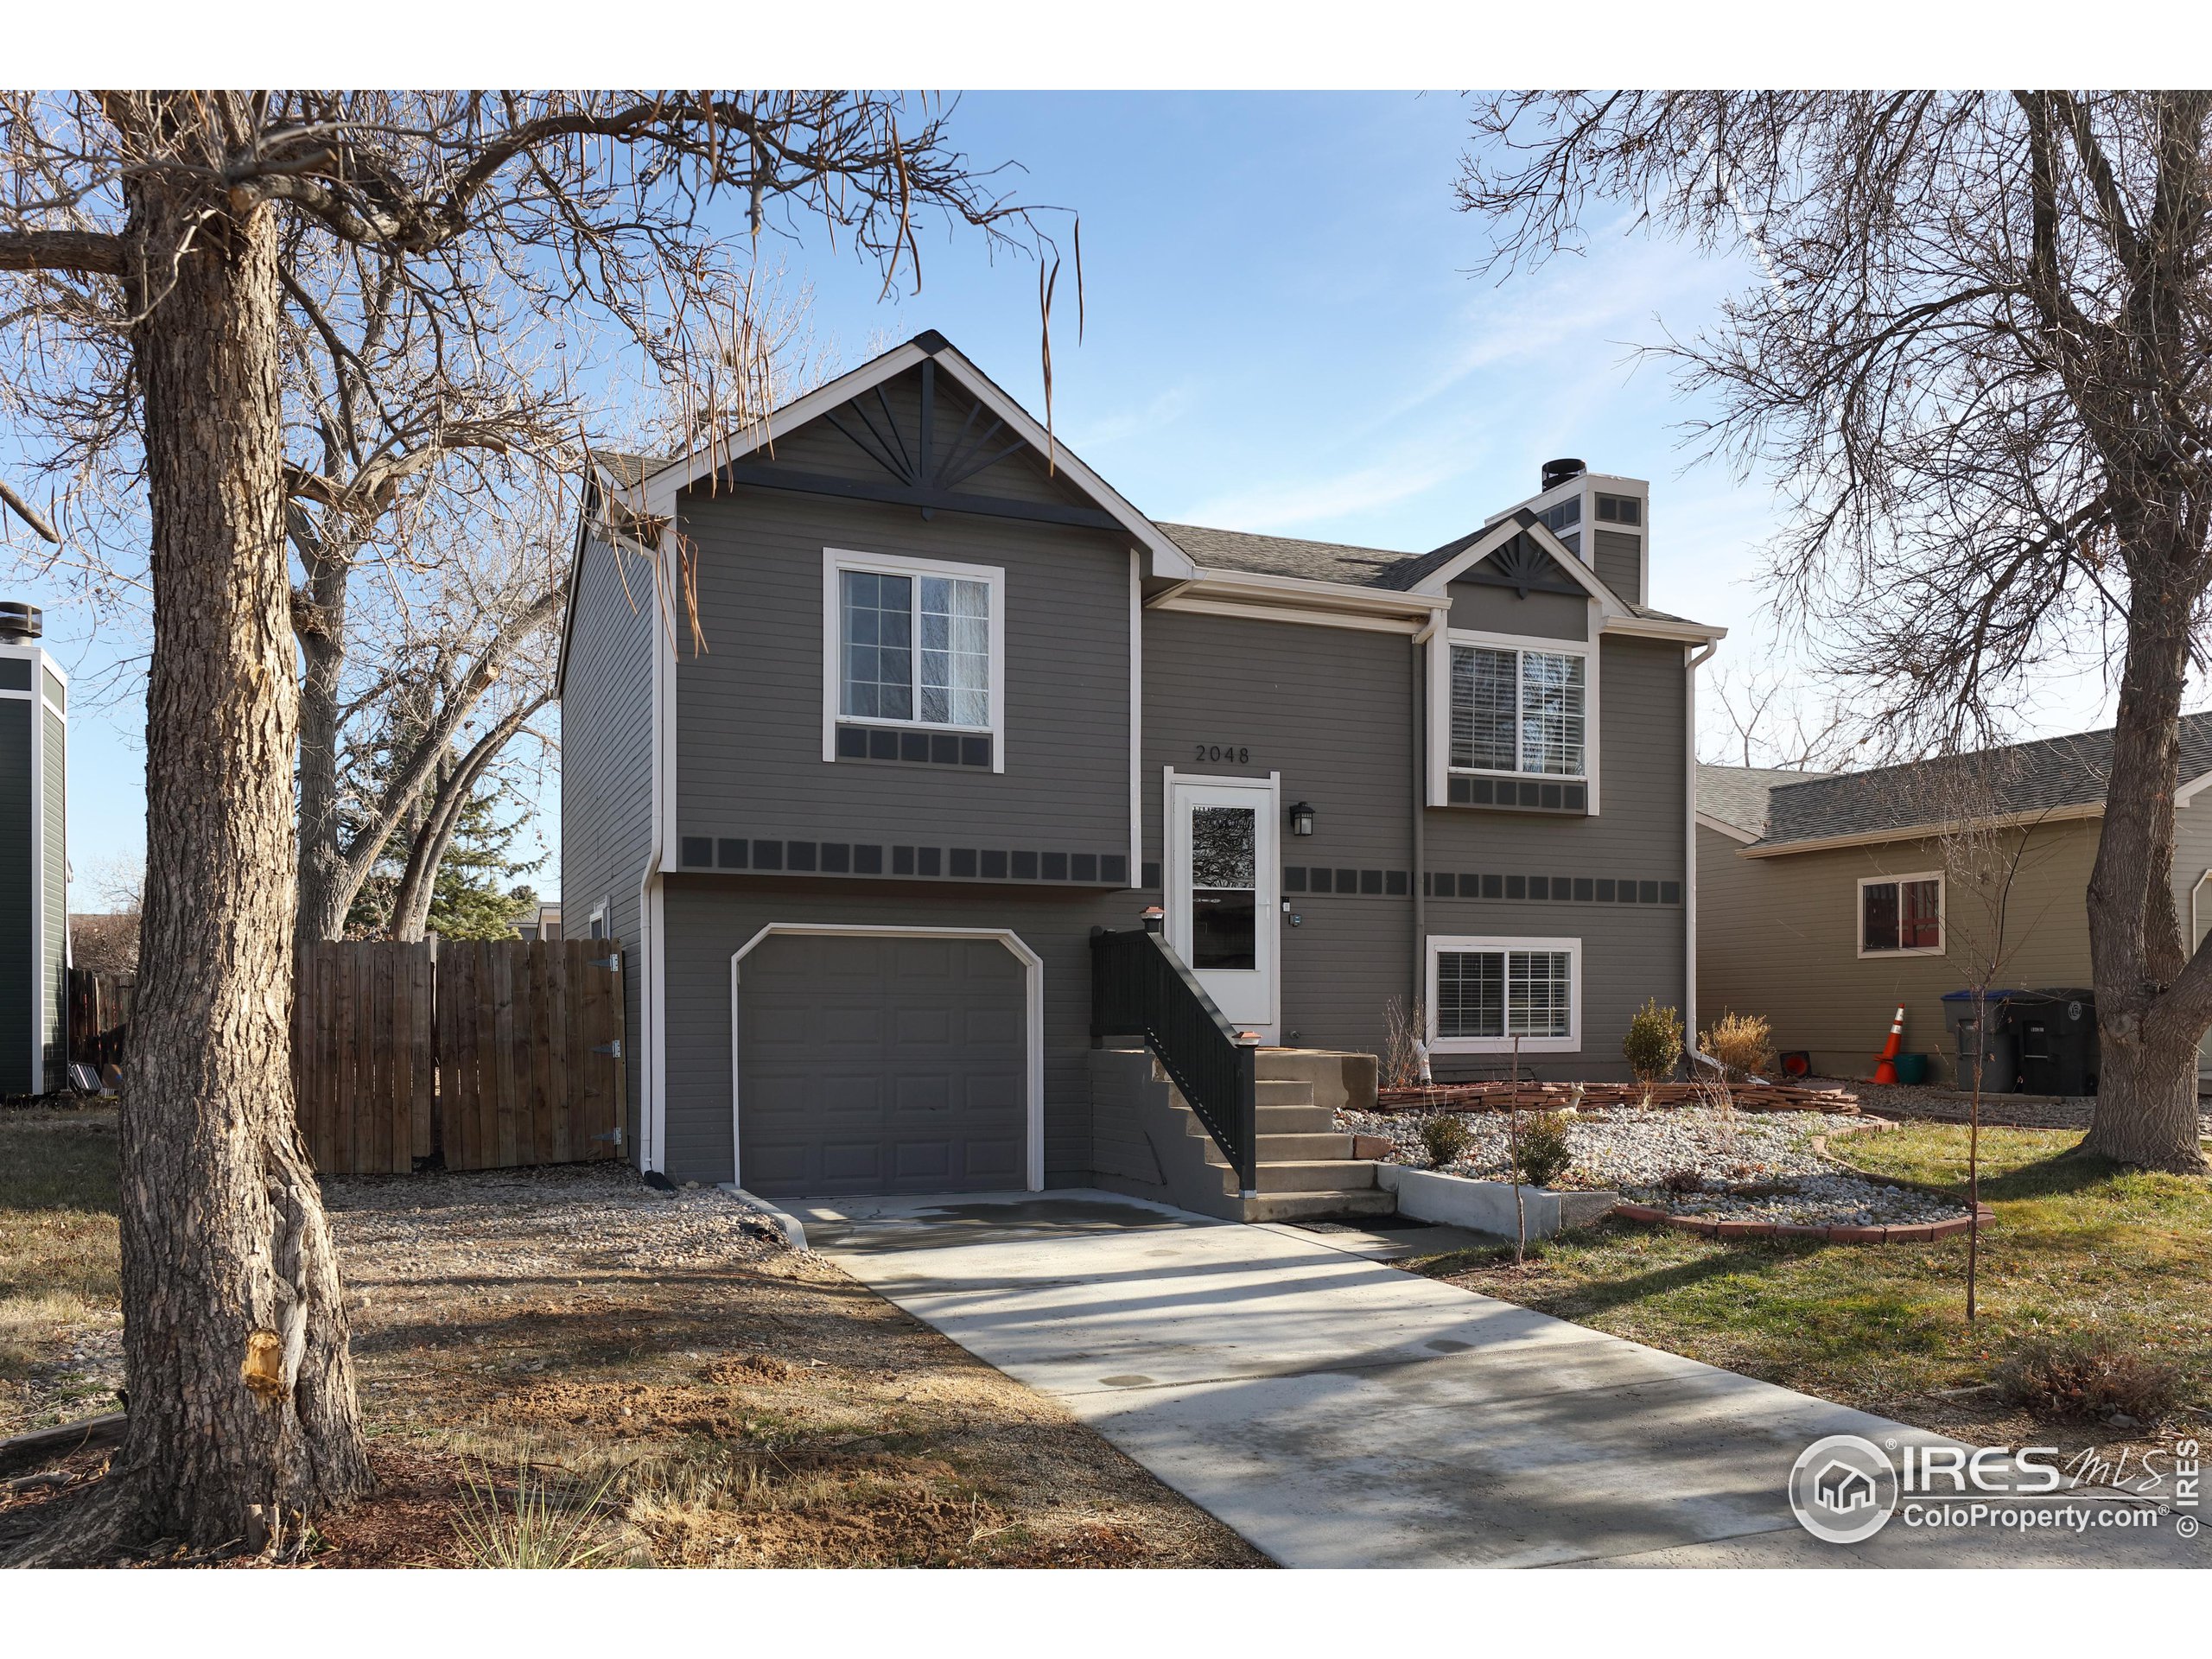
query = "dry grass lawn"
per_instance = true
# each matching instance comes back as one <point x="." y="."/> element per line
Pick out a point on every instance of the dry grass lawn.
<point x="573" y="1368"/>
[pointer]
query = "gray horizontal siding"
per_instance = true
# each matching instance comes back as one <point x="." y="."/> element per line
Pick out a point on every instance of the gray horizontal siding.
<point x="607" y="764"/>
<point x="749" y="706"/>
<point x="17" y="862"/>
<point x="1481" y="606"/>
<point x="1328" y="707"/>
<point x="1618" y="562"/>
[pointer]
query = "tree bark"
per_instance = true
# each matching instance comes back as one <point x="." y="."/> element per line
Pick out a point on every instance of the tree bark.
<point x="327" y="883"/>
<point x="2146" y="1112"/>
<point x="242" y="1403"/>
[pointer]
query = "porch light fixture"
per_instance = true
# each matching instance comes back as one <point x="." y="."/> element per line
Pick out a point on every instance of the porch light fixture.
<point x="1301" y="819"/>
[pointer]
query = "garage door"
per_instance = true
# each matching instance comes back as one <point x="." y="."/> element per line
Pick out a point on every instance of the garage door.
<point x="893" y="1064"/>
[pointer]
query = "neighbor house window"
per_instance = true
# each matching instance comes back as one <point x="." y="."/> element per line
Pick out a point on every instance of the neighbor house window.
<point x="1901" y="913"/>
<point x="1488" y="994"/>
<point x="1619" y="510"/>
<point x="1519" y="711"/>
<point x="911" y="643"/>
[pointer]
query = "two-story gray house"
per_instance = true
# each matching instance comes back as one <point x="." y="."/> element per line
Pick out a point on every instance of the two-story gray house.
<point x="876" y="711"/>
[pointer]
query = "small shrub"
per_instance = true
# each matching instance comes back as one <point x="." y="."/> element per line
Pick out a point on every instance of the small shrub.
<point x="1743" y="1043"/>
<point x="1653" y="1047"/>
<point x="1446" y="1139"/>
<point x="1681" y="1182"/>
<point x="1405" y="1055"/>
<point x="1545" y="1153"/>
<point x="2086" y="1374"/>
<point x="540" y="1524"/>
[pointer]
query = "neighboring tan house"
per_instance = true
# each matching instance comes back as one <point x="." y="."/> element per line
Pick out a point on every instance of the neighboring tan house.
<point x="1824" y="902"/>
<point x="954" y="704"/>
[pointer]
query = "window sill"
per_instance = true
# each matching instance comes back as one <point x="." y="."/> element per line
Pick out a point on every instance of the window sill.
<point x="1918" y="950"/>
<point x="1504" y="1046"/>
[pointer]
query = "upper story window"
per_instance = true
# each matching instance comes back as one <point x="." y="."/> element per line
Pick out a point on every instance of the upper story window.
<point x="912" y="643"/>
<point x="1564" y="515"/>
<point x="1619" y="510"/>
<point x="916" y="648"/>
<point x="1519" y="711"/>
<point x="1901" y="915"/>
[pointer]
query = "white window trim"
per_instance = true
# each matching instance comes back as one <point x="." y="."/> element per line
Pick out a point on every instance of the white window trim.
<point x="1033" y="970"/>
<point x="1440" y="722"/>
<point x="594" y="923"/>
<point x="837" y="559"/>
<point x="1570" y="1044"/>
<point x="1943" y="913"/>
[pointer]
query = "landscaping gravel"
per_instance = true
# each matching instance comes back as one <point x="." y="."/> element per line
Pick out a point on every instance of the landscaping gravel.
<point x="1758" y="1167"/>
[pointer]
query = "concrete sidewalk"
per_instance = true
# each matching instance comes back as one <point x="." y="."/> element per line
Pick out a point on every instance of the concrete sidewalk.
<point x="1341" y="1413"/>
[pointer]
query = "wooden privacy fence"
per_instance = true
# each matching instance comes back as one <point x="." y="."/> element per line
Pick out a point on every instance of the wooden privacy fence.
<point x="100" y="1016"/>
<point x="476" y="1053"/>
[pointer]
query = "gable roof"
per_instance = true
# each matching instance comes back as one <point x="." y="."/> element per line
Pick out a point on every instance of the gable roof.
<point x="2051" y="778"/>
<point x="662" y="483"/>
<point x="1736" y="797"/>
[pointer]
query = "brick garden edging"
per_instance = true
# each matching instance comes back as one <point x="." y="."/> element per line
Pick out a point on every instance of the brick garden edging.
<point x="1925" y="1232"/>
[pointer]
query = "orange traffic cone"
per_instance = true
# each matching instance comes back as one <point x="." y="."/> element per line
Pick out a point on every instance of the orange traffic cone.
<point x="1885" y="1063"/>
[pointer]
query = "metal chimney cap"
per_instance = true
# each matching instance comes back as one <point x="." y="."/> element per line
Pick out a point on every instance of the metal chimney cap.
<point x="1557" y="471"/>
<point x="19" y="621"/>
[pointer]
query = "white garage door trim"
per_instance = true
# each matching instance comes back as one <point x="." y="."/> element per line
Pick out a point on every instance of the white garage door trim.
<point x="1032" y="973"/>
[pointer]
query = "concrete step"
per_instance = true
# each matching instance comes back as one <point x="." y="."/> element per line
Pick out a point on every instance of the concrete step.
<point x="1288" y="1092"/>
<point x="1316" y="1206"/>
<point x="1292" y="1148"/>
<point x="1313" y="1175"/>
<point x="1296" y="1120"/>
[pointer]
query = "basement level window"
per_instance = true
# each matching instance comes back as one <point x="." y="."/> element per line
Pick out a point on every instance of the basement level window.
<point x="1901" y="915"/>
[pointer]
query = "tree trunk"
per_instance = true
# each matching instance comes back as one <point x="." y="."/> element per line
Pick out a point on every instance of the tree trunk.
<point x="2146" y="1112"/>
<point x="242" y="1405"/>
<point x="327" y="882"/>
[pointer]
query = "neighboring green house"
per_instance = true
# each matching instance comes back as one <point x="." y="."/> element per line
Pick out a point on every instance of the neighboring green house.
<point x="1825" y="902"/>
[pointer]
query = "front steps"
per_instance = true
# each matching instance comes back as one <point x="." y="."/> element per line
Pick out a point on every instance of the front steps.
<point x="1146" y="1142"/>
<point x="1306" y="1169"/>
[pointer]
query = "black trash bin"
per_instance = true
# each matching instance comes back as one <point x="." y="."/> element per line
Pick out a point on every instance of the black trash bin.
<point x="2056" y="1029"/>
<point x="1999" y="1056"/>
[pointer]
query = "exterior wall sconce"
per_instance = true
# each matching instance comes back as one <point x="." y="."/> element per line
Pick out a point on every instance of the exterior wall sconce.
<point x="1301" y="819"/>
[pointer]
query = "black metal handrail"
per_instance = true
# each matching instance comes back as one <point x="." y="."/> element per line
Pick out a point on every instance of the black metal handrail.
<point x="1139" y="987"/>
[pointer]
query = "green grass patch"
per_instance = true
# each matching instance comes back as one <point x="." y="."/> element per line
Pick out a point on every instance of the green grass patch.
<point x="2078" y="1243"/>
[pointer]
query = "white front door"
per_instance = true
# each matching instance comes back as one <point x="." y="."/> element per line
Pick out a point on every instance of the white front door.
<point x="1223" y="893"/>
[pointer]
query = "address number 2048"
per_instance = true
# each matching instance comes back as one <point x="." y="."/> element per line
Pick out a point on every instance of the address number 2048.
<point x="1236" y="754"/>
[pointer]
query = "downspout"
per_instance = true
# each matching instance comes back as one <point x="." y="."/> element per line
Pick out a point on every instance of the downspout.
<point x="1693" y="663"/>
<point x="1418" y="878"/>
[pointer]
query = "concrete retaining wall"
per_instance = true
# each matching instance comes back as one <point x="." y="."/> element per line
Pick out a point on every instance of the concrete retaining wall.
<point x="1487" y="1206"/>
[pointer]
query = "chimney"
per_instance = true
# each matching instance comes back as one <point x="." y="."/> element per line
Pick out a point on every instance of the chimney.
<point x="19" y="623"/>
<point x="1557" y="471"/>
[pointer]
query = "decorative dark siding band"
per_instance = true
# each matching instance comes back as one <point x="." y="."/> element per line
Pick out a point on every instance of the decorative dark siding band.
<point x="1553" y="889"/>
<point x="864" y="858"/>
<point x="1519" y="796"/>
<point x="912" y="748"/>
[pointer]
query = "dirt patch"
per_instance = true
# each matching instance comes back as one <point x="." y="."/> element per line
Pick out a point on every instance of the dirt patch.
<point x="739" y="1403"/>
<point x="662" y="1365"/>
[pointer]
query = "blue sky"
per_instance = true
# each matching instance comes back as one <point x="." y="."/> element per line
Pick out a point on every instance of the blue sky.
<point x="1283" y="335"/>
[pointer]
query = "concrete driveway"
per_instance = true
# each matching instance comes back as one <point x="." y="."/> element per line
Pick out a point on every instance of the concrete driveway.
<point x="1341" y="1413"/>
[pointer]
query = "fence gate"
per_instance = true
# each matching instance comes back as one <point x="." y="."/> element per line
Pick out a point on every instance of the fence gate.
<point x="364" y="1056"/>
<point x="491" y="1054"/>
<point x="528" y="1057"/>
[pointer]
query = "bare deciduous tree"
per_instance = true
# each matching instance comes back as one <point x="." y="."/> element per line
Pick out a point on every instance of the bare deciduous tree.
<point x="1975" y="354"/>
<point x="145" y="233"/>
<point x="1768" y="718"/>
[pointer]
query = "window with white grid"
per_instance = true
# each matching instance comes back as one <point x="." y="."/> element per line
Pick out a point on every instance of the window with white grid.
<point x="1490" y="995"/>
<point x="1519" y="711"/>
<point x="913" y="642"/>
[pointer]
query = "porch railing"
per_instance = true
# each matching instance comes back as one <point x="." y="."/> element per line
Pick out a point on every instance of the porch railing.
<point x="1139" y="987"/>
